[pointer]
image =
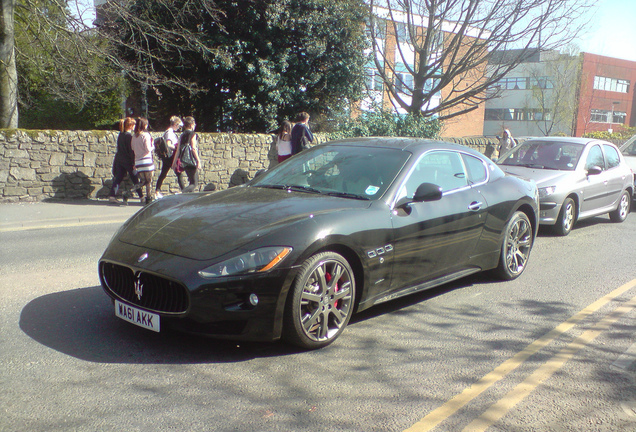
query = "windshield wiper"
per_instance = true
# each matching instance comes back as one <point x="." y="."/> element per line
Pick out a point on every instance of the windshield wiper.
<point x="295" y="188"/>
<point x="301" y="188"/>
<point x="347" y="195"/>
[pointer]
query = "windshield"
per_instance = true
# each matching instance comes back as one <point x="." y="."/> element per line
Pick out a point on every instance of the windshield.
<point x="354" y="172"/>
<point x="555" y="155"/>
<point x="629" y="149"/>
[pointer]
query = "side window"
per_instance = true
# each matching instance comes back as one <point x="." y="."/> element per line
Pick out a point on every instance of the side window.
<point x="477" y="172"/>
<point x="443" y="168"/>
<point x="595" y="158"/>
<point x="611" y="154"/>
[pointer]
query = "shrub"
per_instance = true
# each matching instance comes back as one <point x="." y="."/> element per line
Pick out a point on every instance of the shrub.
<point x="386" y="123"/>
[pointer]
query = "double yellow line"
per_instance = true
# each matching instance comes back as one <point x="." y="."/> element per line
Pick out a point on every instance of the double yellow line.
<point x="500" y="408"/>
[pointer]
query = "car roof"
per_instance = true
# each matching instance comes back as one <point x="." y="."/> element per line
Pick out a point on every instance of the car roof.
<point x="414" y="145"/>
<point x="575" y="140"/>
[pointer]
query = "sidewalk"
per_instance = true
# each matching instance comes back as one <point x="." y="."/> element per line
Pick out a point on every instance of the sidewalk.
<point x="39" y="215"/>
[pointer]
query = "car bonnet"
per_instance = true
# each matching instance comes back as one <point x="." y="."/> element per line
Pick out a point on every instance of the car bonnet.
<point x="540" y="176"/>
<point x="212" y="225"/>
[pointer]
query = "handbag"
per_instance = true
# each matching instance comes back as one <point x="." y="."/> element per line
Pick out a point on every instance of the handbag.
<point x="186" y="158"/>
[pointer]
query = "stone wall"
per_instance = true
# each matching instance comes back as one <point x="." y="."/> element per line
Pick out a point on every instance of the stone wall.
<point x="38" y="165"/>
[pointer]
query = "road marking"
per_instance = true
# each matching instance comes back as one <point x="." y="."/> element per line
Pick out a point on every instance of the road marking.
<point x="453" y="405"/>
<point x="626" y="359"/>
<point x="516" y="395"/>
<point x="62" y="225"/>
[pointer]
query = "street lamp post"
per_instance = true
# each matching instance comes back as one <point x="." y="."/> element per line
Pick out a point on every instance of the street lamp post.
<point x="611" y="120"/>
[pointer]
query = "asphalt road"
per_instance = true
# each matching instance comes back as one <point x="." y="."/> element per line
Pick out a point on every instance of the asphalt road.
<point x="554" y="350"/>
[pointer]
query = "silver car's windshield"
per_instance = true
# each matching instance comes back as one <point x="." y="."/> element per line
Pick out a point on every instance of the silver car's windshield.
<point x="544" y="154"/>
<point x="346" y="171"/>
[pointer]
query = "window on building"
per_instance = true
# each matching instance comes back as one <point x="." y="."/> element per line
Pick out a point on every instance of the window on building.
<point x="404" y="83"/>
<point x="400" y="30"/>
<point x="541" y="82"/>
<point x="619" y="117"/>
<point x="611" y="84"/>
<point x="599" y="116"/>
<point x="373" y="80"/>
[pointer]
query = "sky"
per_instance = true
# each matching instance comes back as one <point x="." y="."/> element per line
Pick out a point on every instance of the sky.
<point x="612" y="30"/>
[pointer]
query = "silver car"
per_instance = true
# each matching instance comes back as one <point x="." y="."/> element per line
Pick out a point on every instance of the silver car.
<point x="577" y="178"/>
<point x="628" y="149"/>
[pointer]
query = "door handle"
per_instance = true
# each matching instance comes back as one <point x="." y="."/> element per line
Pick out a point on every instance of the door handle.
<point x="475" y="205"/>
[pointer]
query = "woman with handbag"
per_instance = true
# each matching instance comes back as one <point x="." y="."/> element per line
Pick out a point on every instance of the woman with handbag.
<point x="187" y="156"/>
<point x="143" y="146"/>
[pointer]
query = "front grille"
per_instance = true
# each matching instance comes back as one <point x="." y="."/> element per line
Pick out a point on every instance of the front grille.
<point x="145" y="290"/>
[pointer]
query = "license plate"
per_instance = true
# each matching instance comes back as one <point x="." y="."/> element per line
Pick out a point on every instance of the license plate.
<point x="137" y="316"/>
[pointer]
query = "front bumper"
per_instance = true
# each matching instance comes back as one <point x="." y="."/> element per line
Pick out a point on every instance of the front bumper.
<point x="549" y="212"/>
<point x="171" y="287"/>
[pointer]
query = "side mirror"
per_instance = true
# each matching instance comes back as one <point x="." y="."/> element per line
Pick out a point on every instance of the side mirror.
<point x="595" y="170"/>
<point x="427" y="192"/>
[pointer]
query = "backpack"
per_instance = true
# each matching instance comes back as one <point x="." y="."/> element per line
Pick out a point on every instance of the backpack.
<point x="161" y="148"/>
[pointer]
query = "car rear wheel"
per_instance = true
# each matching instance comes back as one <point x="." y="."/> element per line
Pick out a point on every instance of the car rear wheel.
<point x="320" y="302"/>
<point x="516" y="246"/>
<point x="566" y="218"/>
<point x="621" y="212"/>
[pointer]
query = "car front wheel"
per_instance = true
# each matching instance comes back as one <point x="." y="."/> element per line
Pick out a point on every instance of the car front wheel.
<point x="621" y="212"/>
<point x="566" y="218"/>
<point x="516" y="246"/>
<point x="320" y="302"/>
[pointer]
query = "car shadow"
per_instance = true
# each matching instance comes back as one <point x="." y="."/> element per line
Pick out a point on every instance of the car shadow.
<point x="548" y="231"/>
<point x="81" y="323"/>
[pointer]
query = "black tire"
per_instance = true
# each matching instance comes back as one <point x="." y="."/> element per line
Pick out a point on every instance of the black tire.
<point x="516" y="246"/>
<point x="320" y="302"/>
<point x="622" y="210"/>
<point x="567" y="218"/>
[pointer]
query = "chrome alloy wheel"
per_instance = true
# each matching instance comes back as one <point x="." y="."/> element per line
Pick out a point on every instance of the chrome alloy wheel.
<point x="518" y="245"/>
<point x="623" y="206"/>
<point x="568" y="216"/>
<point x="326" y="300"/>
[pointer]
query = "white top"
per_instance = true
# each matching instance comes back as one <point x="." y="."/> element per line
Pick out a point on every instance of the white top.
<point x="284" y="147"/>
<point x="171" y="139"/>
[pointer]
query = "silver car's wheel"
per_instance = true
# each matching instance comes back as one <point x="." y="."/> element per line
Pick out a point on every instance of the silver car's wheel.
<point x="516" y="247"/>
<point x="621" y="212"/>
<point x="567" y="217"/>
<point x="321" y="301"/>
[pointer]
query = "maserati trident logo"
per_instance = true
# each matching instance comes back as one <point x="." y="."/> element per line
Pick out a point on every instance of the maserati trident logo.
<point x="139" y="287"/>
<point x="142" y="257"/>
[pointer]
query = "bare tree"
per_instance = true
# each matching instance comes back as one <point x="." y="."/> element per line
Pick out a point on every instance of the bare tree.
<point x="8" y="74"/>
<point x="553" y="92"/>
<point x="448" y="44"/>
<point x="76" y="59"/>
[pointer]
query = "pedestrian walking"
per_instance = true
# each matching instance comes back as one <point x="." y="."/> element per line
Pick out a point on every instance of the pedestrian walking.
<point x="301" y="135"/>
<point x="187" y="159"/>
<point x="167" y="156"/>
<point x="143" y="146"/>
<point x="124" y="162"/>
<point x="283" y="141"/>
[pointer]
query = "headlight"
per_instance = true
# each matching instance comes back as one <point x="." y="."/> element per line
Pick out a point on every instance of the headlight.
<point x="546" y="191"/>
<point x="260" y="260"/>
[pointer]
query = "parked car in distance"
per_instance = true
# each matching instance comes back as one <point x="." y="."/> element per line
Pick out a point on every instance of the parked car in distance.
<point x="577" y="178"/>
<point x="628" y="149"/>
<point x="335" y="229"/>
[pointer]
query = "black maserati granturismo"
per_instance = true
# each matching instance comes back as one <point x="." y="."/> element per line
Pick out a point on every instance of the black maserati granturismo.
<point x="335" y="229"/>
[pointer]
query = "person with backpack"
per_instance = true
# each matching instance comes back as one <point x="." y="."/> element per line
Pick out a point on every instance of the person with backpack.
<point x="301" y="135"/>
<point x="164" y="148"/>
<point x="187" y="156"/>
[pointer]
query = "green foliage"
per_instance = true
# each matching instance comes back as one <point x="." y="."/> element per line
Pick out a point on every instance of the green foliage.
<point x="386" y="123"/>
<point x="264" y="61"/>
<point x="620" y="133"/>
<point x="63" y="83"/>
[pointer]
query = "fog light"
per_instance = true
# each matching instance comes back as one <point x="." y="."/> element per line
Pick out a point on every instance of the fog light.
<point x="253" y="299"/>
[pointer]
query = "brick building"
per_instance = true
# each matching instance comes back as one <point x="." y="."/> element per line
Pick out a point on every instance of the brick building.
<point x="606" y="94"/>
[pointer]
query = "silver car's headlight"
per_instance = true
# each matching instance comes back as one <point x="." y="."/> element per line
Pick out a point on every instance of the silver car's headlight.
<point x="260" y="260"/>
<point x="546" y="191"/>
